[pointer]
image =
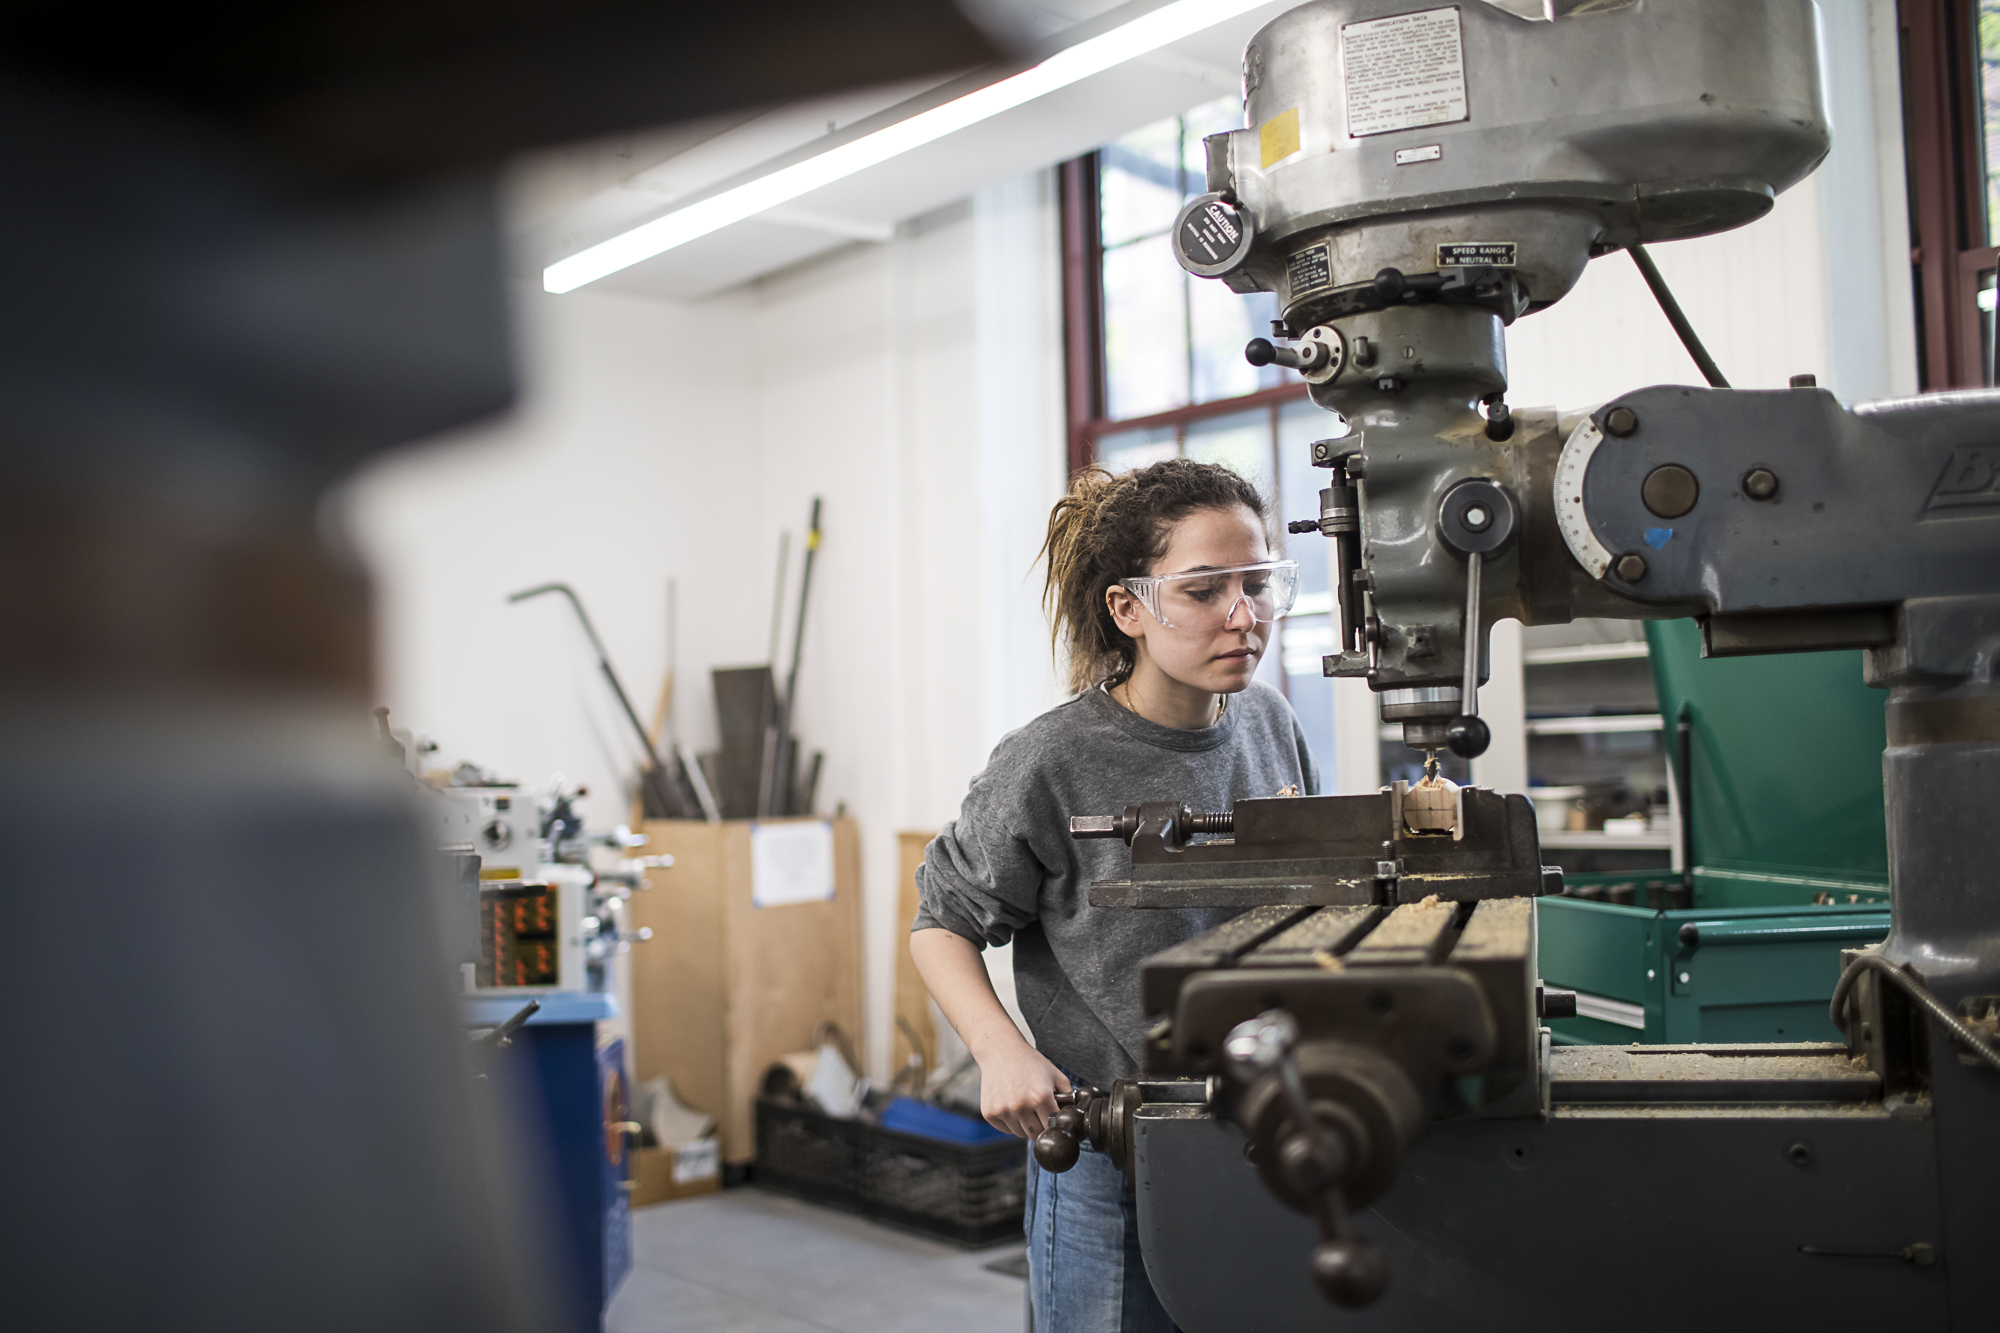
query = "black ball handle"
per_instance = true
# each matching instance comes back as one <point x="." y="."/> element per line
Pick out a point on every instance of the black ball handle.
<point x="1349" y="1272"/>
<point x="1468" y="737"/>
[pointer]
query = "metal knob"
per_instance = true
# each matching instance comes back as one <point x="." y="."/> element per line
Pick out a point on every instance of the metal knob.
<point x="1060" y="1143"/>
<point x="1063" y="1141"/>
<point x="1349" y="1272"/>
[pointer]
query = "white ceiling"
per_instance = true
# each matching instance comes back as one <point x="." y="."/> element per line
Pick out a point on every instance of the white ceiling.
<point x="566" y="201"/>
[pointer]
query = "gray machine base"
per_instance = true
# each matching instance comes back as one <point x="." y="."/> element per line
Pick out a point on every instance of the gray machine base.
<point x="1596" y="1219"/>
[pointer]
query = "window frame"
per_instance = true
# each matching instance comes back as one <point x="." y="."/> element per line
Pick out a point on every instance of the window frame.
<point x="1079" y="203"/>
<point x="1944" y="152"/>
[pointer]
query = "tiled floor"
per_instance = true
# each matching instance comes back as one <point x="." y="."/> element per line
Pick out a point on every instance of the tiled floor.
<point x="745" y="1261"/>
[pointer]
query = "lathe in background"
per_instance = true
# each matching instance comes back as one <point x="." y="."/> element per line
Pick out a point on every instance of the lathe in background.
<point x="537" y="917"/>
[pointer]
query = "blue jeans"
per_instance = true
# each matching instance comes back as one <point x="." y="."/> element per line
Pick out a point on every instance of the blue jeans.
<point x="1084" y="1270"/>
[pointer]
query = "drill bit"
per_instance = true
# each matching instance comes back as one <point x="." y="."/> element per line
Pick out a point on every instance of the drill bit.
<point x="1430" y="765"/>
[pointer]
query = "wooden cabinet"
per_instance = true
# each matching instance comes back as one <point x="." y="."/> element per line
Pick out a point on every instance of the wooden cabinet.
<point x="724" y="987"/>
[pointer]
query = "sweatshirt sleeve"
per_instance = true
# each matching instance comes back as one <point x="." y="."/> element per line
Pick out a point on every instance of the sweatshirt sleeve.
<point x="1306" y="764"/>
<point x="981" y="877"/>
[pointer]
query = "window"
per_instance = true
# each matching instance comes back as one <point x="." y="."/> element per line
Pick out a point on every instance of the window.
<point x="1170" y="340"/>
<point x="1156" y="370"/>
<point x="1951" y="117"/>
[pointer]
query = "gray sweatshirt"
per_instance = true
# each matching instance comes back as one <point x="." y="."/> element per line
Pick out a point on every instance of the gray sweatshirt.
<point x="1007" y="868"/>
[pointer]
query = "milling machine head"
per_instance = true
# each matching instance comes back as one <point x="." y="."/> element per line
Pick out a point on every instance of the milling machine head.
<point x="1412" y="180"/>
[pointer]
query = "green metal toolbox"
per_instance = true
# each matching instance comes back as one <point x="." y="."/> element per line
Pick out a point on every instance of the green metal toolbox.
<point x="1778" y="761"/>
<point x="1731" y="974"/>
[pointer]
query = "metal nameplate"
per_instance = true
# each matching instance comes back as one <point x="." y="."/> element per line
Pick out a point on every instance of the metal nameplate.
<point x="1477" y="254"/>
<point x="1309" y="270"/>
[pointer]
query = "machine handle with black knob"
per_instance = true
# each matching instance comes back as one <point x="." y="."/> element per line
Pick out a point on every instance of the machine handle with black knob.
<point x="1305" y="356"/>
<point x="1346" y="1266"/>
<point x="1061" y="1142"/>
<point x="1477" y="518"/>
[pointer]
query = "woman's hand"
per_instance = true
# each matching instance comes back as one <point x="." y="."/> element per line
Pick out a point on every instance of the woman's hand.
<point x="1017" y="1086"/>
<point x="1017" y="1090"/>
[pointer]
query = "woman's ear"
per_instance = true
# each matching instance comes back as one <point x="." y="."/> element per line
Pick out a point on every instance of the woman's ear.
<point x="1125" y="610"/>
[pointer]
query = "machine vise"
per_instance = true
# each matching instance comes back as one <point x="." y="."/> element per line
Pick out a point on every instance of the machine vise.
<point x="1388" y="979"/>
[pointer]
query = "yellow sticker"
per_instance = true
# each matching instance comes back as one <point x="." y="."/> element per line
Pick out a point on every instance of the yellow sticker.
<point x="1279" y="137"/>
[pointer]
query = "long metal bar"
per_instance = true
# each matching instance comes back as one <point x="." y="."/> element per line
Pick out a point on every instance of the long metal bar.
<point x="778" y="593"/>
<point x="1676" y="317"/>
<point x="768" y="757"/>
<point x="654" y="774"/>
<point x="690" y="767"/>
<point x="1468" y="695"/>
<point x="775" y="796"/>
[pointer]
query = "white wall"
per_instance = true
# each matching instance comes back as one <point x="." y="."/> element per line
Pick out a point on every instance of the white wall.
<point x="627" y="462"/>
<point x="927" y="411"/>
<point x="1819" y="285"/>
<point x="915" y="386"/>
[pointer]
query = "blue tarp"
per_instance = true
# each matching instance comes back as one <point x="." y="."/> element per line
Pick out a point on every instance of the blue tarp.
<point x="908" y="1116"/>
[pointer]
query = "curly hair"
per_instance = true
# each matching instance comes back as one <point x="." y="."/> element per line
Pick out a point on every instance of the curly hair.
<point x="1109" y="528"/>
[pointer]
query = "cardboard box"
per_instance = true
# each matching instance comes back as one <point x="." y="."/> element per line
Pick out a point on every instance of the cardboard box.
<point x="660" y="1175"/>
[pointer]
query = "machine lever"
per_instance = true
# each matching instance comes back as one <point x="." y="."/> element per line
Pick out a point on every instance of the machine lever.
<point x="1476" y="518"/>
<point x="1305" y="356"/>
<point x="1468" y="735"/>
<point x="1346" y="1267"/>
<point x="1079" y="1116"/>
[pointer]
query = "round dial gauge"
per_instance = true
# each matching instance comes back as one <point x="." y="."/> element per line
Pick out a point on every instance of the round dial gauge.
<point x="1570" y="517"/>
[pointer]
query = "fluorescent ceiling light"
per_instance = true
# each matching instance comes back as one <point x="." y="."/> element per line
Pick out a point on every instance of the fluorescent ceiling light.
<point x="1149" y="32"/>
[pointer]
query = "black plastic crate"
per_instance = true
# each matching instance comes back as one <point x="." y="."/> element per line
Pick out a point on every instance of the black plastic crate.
<point x="800" y="1151"/>
<point x="972" y="1195"/>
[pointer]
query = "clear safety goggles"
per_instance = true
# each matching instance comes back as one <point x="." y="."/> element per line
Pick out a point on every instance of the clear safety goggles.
<point x="1205" y="599"/>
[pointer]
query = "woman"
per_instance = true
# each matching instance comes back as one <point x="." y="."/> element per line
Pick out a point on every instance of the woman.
<point x="1162" y="587"/>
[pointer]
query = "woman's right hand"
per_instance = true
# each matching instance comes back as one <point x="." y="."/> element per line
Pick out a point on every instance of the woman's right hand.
<point x="1017" y="1086"/>
<point x="1017" y="1090"/>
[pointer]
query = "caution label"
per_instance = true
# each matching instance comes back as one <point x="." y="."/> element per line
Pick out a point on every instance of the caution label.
<point x="1477" y="254"/>
<point x="1308" y="271"/>
<point x="1403" y="71"/>
<point x="1211" y="234"/>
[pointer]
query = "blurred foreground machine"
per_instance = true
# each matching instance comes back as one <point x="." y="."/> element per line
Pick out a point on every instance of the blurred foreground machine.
<point x="247" y="249"/>
<point x="1368" y="1034"/>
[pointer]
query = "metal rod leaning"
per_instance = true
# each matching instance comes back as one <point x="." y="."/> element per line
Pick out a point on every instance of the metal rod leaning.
<point x="654" y="774"/>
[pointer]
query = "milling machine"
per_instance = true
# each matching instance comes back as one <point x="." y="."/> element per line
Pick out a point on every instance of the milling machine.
<point x="1367" y="1033"/>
